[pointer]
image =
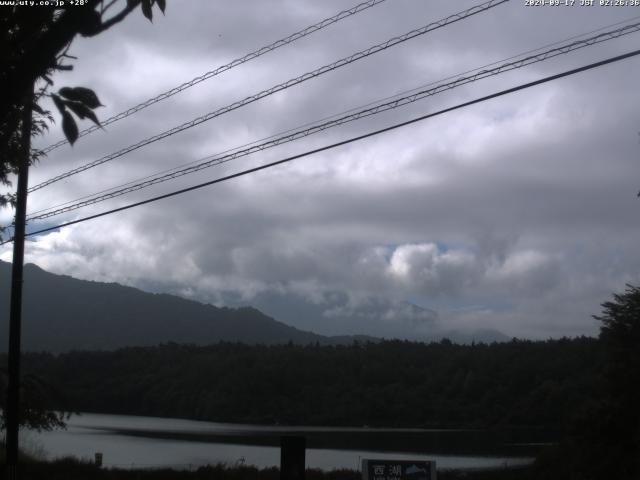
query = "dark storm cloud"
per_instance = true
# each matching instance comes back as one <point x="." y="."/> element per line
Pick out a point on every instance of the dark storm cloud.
<point x="517" y="214"/>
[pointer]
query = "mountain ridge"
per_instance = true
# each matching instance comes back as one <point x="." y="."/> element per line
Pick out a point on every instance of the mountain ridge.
<point x="62" y="313"/>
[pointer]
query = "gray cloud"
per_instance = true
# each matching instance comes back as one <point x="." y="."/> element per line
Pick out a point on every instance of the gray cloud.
<point x="517" y="214"/>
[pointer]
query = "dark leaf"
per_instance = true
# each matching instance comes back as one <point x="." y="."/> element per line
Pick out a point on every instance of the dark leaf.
<point x="82" y="95"/>
<point x="90" y="24"/>
<point x="162" y="4"/>
<point x="38" y="108"/>
<point x="64" y="67"/>
<point x="78" y="108"/>
<point x="146" y="9"/>
<point x="59" y="103"/>
<point x="47" y="79"/>
<point x="82" y="111"/>
<point x="69" y="127"/>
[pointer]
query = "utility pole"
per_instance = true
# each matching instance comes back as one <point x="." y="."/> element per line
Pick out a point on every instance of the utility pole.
<point x="15" y="315"/>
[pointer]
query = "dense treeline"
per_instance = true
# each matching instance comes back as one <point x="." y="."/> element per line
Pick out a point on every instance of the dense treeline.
<point x="393" y="383"/>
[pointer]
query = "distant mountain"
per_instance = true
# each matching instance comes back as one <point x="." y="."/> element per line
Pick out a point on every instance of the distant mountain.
<point x="378" y="316"/>
<point x="61" y="313"/>
<point x="334" y="312"/>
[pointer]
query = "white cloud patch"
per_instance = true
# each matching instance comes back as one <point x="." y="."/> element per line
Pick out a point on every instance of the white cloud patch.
<point x="424" y="267"/>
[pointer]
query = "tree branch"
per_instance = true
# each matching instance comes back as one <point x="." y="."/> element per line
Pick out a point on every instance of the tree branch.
<point x="131" y="5"/>
<point x="42" y="54"/>
<point x="109" y="5"/>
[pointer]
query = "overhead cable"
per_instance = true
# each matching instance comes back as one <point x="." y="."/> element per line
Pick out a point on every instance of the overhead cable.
<point x="277" y="88"/>
<point x="335" y="115"/>
<point x="338" y="144"/>
<point x="234" y="63"/>
<point x="304" y="132"/>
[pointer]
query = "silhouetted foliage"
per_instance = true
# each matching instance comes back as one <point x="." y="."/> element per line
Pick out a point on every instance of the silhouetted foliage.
<point x="620" y="335"/>
<point x="393" y="383"/>
<point x="36" y="395"/>
<point x="615" y="433"/>
<point x="604" y="441"/>
<point x="34" y="43"/>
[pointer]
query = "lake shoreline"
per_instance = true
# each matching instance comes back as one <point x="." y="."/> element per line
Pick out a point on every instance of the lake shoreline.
<point x="128" y="442"/>
<point x="443" y="442"/>
<point x="518" y="442"/>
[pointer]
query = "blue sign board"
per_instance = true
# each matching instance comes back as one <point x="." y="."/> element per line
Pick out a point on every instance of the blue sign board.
<point x="398" y="470"/>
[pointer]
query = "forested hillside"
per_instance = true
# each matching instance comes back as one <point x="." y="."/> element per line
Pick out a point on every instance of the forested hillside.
<point x="62" y="313"/>
<point x="520" y="383"/>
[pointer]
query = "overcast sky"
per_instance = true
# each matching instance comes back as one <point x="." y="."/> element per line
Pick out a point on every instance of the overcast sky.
<point x="518" y="214"/>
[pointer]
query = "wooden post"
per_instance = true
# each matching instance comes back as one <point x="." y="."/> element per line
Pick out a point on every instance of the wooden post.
<point x="15" y="314"/>
<point x="292" y="458"/>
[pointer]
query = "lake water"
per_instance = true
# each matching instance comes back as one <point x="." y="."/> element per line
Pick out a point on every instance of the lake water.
<point x="131" y="441"/>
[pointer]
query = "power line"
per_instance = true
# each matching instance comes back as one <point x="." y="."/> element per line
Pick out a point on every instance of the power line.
<point x="282" y="86"/>
<point x="307" y="76"/>
<point x="413" y="90"/>
<point x="343" y="142"/>
<point x="234" y="63"/>
<point x="304" y="132"/>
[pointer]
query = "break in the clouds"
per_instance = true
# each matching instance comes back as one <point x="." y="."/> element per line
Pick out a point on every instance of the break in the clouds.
<point x="519" y="214"/>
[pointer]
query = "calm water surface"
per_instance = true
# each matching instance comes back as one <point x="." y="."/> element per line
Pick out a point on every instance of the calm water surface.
<point x="131" y="441"/>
